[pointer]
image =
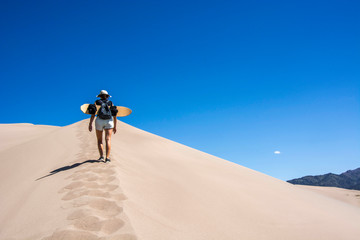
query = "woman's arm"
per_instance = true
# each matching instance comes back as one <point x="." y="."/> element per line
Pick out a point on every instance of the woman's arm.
<point x="91" y="121"/>
<point x="115" y="121"/>
<point x="114" y="118"/>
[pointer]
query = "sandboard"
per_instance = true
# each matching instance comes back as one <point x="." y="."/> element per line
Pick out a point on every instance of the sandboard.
<point x="122" y="111"/>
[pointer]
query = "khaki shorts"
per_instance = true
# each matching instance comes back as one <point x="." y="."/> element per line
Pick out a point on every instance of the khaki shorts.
<point x="101" y="124"/>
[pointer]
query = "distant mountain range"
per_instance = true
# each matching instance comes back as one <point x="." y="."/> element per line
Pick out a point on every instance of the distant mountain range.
<point x="349" y="180"/>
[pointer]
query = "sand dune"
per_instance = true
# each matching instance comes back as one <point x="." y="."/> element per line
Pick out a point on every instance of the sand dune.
<point x="345" y="195"/>
<point x="51" y="187"/>
<point x="13" y="134"/>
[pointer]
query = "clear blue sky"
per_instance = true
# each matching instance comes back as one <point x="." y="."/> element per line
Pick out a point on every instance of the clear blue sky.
<point x="236" y="79"/>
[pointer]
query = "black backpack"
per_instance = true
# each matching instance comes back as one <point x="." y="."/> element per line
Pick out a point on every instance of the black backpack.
<point x="104" y="111"/>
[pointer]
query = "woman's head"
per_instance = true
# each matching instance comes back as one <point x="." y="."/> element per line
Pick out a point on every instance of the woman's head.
<point x="103" y="94"/>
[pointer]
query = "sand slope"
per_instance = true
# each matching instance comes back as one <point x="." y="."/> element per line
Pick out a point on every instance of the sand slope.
<point x="345" y="195"/>
<point x="52" y="188"/>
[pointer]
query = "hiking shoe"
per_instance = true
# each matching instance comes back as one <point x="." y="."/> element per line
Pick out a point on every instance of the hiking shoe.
<point x="101" y="159"/>
<point x="107" y="160"/>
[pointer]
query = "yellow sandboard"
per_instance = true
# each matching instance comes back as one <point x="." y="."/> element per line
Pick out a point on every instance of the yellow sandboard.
<point x="122" y="111"/>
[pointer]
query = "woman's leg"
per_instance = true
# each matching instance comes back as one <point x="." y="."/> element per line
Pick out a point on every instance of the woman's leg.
<point x="108" y="133"/>
<point x="99" y="142"/>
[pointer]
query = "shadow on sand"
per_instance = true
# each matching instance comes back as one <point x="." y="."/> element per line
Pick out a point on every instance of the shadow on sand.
<point x="68" y="167"/>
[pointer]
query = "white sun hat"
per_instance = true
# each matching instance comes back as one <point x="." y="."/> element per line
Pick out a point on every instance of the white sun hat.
<point x="103" y="92"/>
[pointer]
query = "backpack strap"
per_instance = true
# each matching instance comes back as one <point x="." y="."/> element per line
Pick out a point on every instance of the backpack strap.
<point x="106" y="104"/>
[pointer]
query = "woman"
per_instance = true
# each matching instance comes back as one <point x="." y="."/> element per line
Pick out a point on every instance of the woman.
<point x="109" y="125"/>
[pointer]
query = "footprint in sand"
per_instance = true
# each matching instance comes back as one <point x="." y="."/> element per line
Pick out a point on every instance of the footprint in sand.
<point x="88" y="223"/>
<point x="85" y="220"/>
<point x="92" y="185"/>
<point x="120" y="197"/>
<point x="89" y="182"/>
<point x="81" y="201"/>
<point x="107" y="172"/>
<point x="107" y="179"/>
<point x="112" y="225"/>
<point x="79" y="213"/>
<point x="71" y="235"/>
<point x="87" y="168"/>
<point x="93" y="223"/>
<point x="106" y="207"/>
<point x="84" y="192"/>
<point x="84" y="176"/>
<point x="124" y="236"/>
<point x="109" y="187"/>
<point x="105" y="187"/>
<point x="92" y="178"/>
<point x="74" y="185"/>
<point x="97" y="193"/>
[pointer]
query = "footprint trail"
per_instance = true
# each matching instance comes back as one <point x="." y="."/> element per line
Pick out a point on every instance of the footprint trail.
<point x="93" y="198"/>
